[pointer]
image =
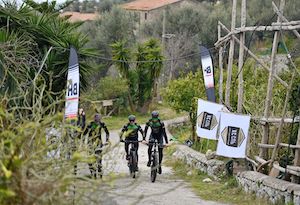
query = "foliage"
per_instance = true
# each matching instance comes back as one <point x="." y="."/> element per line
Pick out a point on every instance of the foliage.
<point x="182" y="95"/>
<point x="107" y="88"/>
<point x="113" y="26"/>
<point x="141" y="77"/>
<point x="33" y="30"/>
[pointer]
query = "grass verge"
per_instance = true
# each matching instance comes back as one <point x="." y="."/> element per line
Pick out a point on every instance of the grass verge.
<point x="225" y="190"/>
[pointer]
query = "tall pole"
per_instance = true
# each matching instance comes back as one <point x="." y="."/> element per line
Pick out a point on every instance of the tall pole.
<point x="220" y="67"/>
<point x="230" y="57"/>
<point x="172" y="58"/>
<point x="159" y="81"/>
<point x="163" y="29"/>
<point x="265" y="139"/>
<point x="241" y="59"/>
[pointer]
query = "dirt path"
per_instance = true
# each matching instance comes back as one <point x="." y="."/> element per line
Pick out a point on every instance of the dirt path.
<point x="167" y="190"/>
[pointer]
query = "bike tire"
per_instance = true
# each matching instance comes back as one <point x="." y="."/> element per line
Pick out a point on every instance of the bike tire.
<point x="132" y="164"/>
<point x="154" y="168"/>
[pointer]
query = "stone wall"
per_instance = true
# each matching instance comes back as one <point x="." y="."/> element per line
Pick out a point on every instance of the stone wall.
<point x="199" y="161"/>
<point x="275" y="190"/>
<point x="264" y="186"/>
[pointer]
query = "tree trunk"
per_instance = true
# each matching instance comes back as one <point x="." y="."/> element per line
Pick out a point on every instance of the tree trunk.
<point x="145" y="108"/>
<point x="132" y="108"/>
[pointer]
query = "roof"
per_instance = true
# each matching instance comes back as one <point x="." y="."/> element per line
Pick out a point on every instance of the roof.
<point x="77" y="16"/>
<point x="147" y="5"/>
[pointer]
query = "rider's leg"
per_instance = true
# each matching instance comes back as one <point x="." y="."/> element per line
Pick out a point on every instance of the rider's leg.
<point x="99" y="162"/>
<point x="91" y="165"/>
<point x="92" y="170"/>
<point x="136" y="146"/>
<point x="149" y="155"/>
<point x="160" y="154"/>
<point x="126" y="149"/>
<point x="151" y="140"/>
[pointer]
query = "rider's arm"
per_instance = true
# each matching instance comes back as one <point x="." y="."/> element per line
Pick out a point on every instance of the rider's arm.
<point x="164" y="132"/>
<point x="141" y="131"/>
<point x="106" y="131"/>
<point x="124" y="129"/>
<point x="146" y="129"/>
<point x="83" y="120"/>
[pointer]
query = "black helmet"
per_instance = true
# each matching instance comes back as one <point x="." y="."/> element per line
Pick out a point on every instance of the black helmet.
<point x="97" y="117"/>
<point x="131" y="118"/>
<point x="155" y="114"/>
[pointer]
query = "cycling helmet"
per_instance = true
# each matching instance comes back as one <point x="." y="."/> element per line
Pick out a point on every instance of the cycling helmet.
<point x="97" y="117"/>
<point x="155" y="114"/>
<point x="131" y="118"/>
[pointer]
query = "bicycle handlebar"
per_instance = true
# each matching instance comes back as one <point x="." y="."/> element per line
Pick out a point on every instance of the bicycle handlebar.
<point x="131" y="141"/>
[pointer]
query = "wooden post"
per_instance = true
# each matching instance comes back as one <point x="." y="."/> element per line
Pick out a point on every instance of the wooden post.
<point x="220" y="67"/>
<point x="278" y="135"/>
<point x="265" y="138"/>
<point x="297" y="157"/>
<point x="241" y="59"/>
<point x="284" y="19"/>
<point x="231" y="54"/>
<point x="255" y="57"/>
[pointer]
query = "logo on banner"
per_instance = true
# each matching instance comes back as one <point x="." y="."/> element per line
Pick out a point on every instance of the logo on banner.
<point x="72" y="89"/>
<point x="207" y="121"/>
<point x="208" y="71"/>
<point x="233" y="136"/>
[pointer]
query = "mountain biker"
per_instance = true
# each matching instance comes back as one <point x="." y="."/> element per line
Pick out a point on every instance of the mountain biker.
<point x="81" y="118"/>
<point x="158" y="131"/>
<point x="130" y="130"/>
<point x="95" y="142"/>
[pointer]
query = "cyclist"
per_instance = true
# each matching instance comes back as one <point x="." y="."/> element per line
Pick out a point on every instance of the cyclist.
<point x="130" y="130"/>
<point x="81" y="119"/>
<point x="95" y="142"/>
<point x="158" y="132"/>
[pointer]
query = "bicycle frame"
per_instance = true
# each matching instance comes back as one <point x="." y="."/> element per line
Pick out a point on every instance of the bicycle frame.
<point x="132" y="162"/>
<point x="154" y="160"/>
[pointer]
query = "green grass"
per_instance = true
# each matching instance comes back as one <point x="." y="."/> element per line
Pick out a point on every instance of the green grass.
<point x="226" y="190"/>
<point x="183" y="133"/>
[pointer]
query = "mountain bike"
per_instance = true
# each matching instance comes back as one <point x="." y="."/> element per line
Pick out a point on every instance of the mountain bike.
<point x="154" y="160"/>
<point x="133" y="158"/>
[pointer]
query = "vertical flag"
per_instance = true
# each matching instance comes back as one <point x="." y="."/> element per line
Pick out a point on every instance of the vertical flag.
<point x="233" y="135"/>
<point x="208" y="73"/>
<point x="208" y="116"/>
<point x="72" y="94"/>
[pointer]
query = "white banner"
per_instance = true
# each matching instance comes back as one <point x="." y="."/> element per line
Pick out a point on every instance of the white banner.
<point x="233" y="135"/>
<point x="208" y="119"/>
<point x="208" y="73"/>
<point x="72" y="94"/>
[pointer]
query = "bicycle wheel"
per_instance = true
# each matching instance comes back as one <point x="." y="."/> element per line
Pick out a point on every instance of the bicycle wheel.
<point x="132" y="162"/>
<point x="154" y="167"/>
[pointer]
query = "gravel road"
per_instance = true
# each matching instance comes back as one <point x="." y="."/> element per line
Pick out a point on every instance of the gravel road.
<point x="167" y="189"/>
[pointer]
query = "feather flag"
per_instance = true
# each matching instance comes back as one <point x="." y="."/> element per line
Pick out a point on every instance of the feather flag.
<point x="72" y="93"/>
<point x="208" y="73"/>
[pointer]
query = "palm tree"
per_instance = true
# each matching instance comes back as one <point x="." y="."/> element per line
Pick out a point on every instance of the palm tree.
<point x="41" y="25"/>
<point x="147" y="69"/>
<point x="121" y="55"/>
